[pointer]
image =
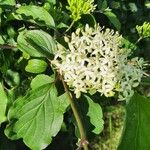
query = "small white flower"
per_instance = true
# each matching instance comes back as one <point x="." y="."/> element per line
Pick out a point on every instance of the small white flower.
<point x="94" y="62"/>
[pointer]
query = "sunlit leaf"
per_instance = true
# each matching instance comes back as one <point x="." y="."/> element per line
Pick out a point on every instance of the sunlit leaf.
<point x="52" y="1"/>
<point x="37" y="117"/>
<point x="8" y="2"/>
<point x="34" y="14"/>
<point x="3" y="104"/>
<point x="1" y="40"/>
<point x="40" y="80"/>
<point x="36" y="66"/>
<point x="36" y="43"/>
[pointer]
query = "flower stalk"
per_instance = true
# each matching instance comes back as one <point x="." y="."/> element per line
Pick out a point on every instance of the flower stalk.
<point x="71" y="25"/>
<point x="83" y="142"/>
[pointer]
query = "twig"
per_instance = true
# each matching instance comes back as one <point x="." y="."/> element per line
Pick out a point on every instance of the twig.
<point x="7" y="46"/>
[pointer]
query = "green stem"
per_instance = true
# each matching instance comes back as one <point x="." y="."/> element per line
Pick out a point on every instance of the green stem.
<point x="70" y="26"/>
<point x="83" y="142"/>
<point x="110" y="126"/>
<point x="138" y="40"/>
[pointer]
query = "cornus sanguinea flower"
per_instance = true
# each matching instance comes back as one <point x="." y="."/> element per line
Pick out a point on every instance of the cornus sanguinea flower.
<point x="95" y="62"/>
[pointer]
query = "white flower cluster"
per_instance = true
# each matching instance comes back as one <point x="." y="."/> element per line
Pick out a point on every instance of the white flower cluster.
<point x="94" y="61"/>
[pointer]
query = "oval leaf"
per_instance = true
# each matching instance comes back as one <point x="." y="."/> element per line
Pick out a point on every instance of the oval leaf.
<point x="52" y="1"/>
<point x="40" y="80"/>
<point x="102" y="4"/>
<point x="113" y="19"/>
<point x="8" y="2"/>
<point x="34" y="14"/>
<point x="92" y="115"/>
<point x="36" y="66"/>
<point x="37" y="117"/>
<point x="96" y="115"/>
<point x="36" y="43"/>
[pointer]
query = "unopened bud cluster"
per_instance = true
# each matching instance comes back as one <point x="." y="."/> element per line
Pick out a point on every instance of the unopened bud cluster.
<point x="80" y="7"/>
<point x="144" y="30"/>
<point x="95" y="62"/>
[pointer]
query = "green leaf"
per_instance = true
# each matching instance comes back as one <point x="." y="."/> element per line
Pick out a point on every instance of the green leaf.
<point x="37" y="117"/>
<point x="12" y="78"/>
<point x="137" y="125"/>
<point x="51" y="1"/>
<point x="8" y="2"/>
<point x="145" y="81"/>
<point x="34" y="14"/>
<point x="3" y="104"/>
<point x="147" y="4"/>
<point x="133" y="7"/>
<point x="36" y="66"/>
<point x="40" y="80"/>
<point x="62" y="25"/>
<point x="128" y="45"/>
<point x="10" y="31"/>
<point x="96" y="115"/>
<point x="92" y="115"/>
<point x="113" y="19"/>
<point x="24" y="46"/>
<point x="102" y="4"/>
<point x="1" y="40"/>
<point x="36" y="43"/>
